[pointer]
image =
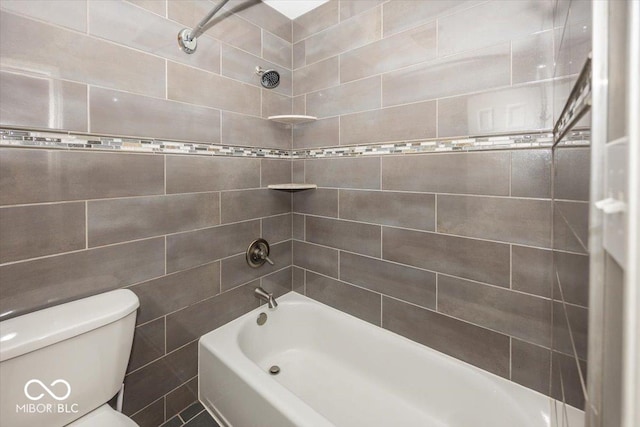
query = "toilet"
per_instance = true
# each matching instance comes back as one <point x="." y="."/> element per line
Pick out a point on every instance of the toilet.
<point x="61" y="365"/>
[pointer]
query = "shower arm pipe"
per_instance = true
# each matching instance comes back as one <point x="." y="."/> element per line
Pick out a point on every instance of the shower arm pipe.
<point x="199" y="29"/>
<point x="188" y="39"/>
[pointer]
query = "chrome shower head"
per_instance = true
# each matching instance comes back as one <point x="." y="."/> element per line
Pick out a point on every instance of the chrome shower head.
<point x="269" y="79"/>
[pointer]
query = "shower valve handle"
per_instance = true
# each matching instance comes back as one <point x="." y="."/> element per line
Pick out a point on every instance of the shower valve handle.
<point x="258" y="253"/>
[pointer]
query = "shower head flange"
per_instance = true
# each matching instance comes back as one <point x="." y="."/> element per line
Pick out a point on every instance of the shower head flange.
<point x="187" y="43"/>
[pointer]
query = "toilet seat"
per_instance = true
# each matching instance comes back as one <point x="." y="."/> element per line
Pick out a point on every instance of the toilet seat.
<point x="104" y="416"/>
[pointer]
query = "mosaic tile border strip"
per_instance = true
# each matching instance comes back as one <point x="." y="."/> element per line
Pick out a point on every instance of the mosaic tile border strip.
<point x="67" y="141"/>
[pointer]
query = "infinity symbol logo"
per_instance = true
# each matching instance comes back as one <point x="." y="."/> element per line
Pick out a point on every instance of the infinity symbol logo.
<point x="51" y="393"/>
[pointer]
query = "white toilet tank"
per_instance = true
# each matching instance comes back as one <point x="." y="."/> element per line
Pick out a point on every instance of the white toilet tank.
<point x="61" y="363"/>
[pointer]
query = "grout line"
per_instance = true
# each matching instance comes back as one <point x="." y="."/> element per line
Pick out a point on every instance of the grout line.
<point x="510" y="358"/>
<point x="86" y="224"/>
<point x="437" y="276"/>
<point x="510" y="266"/>
<point x="510" y="173"/>
<point x="88" y="108"/>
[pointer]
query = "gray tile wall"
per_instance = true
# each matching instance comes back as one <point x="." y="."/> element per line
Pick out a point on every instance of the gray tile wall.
<point x="173" y="229"/>
<point x="571" y="274"/>
<point x="396" y="70"/>
<point x="399" y="241"/>
<point x="458" y="245"/>
<point x="81" y="72"/>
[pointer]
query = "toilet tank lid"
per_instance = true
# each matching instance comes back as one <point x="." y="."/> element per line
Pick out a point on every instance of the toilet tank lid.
<point x="42" y="328"/>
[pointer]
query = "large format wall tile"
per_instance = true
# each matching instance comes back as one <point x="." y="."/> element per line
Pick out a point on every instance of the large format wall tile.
<point x="572" y="273"/>
<point x="274" y="171"/>
<point x="249" y="204"/>
<point x="146" y="385"/>
<point x="192" y="248"/>
<point x="467" y="173"/>
<point x="350" y="9"/>
<point x="506" y="219"/>
<point x="236" y="271"/>
<point x="224" y="26"/>
<point x="58" y="53"/>
<point x="316" y="20"/>
<point x="150" y="33"/>
<point x="347" y="98"/>
<point x="42" y="103"/>
<point x="32" y="285"/>
<point x="515" y="314"/>
<point x="530" y="365"/>
<point x="321" y="201"/>
<point x="319" y="133"/>
<point x="148" y="344"/>
<point x="186" y="174"/>
<point x="360" y="30"/>
<point x="318" y="76"/>
<point x="522" y="108"/>
<point x="119" y="220"/>
<point x="277" y="228"/>
<point x="192" y="322"/>
<point x="478" y="346"/>
<point x="571" y="226"/>
<point x="67" y="13"/>
<point x="469" y="258"/>
<point x="172" y="292"/>
<point x="276" y="50"/>
<point x="448" y="76"/>
<point x="572" y="173"/>
<point x="316" y="258"/>
<point x="415" y="121"/>
<point x="239" y="129"/>
<point x="400" y="15"/>
<point x="274" y="104"/>
<point x="241" y="66"/>
<point x="408" y="210"/>
<point x="399" y="281"/>
<point x="408" y="48"/>
<point x="76" y="175"/>
<point x="492" y="22"/>
<point x="34" y="231"/>
<point x="347" y="235"/>
<point x="344" y="173"/>
<point x="263" y="16"/>
<point x="122" y="113"/>
<point x="350" y="299"/>
<point x="531" y="173"/>
<point x="533" y="57"/>
<point x="532" y="270"/>
<point x="199" y="87"/>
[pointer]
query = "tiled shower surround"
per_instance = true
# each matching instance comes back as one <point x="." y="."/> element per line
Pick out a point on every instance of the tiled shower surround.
<point x="454" y="250"/>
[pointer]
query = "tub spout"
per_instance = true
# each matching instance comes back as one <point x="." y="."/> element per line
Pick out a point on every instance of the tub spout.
<point x="266" y="297"/>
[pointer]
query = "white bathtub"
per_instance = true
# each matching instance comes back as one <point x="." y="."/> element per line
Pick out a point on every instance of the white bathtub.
<point x="337" y="370"/>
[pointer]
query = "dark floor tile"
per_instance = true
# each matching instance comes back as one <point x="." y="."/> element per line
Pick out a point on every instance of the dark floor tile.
<point x="182" y="397"/>
<point x="173" y="422"/>
<point x="191" y="411"/>
<point x="203" y="420"/>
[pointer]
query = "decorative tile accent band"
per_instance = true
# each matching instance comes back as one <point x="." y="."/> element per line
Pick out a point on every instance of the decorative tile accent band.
<point x="67" y="141"/>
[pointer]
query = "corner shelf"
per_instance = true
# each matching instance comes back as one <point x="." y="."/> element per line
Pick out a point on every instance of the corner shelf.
<point x="292" y="187"/>
<point x="292" y="119"/>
